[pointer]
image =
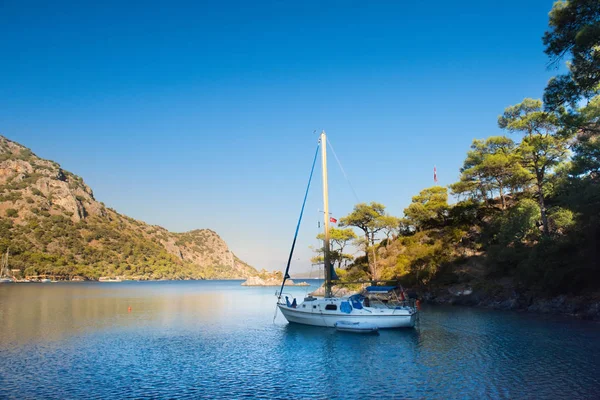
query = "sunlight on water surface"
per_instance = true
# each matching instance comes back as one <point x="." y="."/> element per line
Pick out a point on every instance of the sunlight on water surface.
<point x="217" y="339"/>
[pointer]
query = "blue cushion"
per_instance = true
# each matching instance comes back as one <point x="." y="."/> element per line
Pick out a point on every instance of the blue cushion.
<point x="345" y="307"/>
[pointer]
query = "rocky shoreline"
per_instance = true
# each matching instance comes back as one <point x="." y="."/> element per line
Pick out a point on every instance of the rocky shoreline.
<point x="582" y="307"/>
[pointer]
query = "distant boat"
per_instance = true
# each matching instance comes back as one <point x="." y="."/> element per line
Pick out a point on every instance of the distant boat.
<point x="5" y="275"/>
<point x="45" y="280"/>
<point x="380" y="306"/>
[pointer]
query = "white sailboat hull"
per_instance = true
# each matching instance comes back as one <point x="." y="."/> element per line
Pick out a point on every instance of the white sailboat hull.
<point x="383" y="318"/>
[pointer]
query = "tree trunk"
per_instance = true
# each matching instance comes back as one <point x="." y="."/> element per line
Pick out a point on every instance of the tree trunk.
<point x="543" y="207"/>
<point x="374" y="274"/>
<point x="367" y="249"/>
<point x="369" y="262"/>
<point x="502" y="198"/>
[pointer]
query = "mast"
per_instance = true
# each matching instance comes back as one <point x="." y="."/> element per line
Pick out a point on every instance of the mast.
<point x="326" y="249"/>
<point x="4" y="266"/>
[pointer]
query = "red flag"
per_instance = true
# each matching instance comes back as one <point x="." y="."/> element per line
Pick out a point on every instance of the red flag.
<point x="331" y="219"/>
<point x="434" y="174"/>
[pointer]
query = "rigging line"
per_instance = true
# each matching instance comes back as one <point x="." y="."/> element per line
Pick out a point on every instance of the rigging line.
<point x="343" y="172"/>
<point x="275" y="316"/>
<point x="287" y="268"/>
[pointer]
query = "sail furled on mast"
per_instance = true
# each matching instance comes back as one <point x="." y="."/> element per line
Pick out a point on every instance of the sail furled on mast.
<point x="326" y="244"/>
<point x="286" y="275"/>
<point x="332" y="274"/>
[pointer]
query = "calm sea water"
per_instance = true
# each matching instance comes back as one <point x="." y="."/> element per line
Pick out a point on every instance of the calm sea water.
<point x="217" y="339"/>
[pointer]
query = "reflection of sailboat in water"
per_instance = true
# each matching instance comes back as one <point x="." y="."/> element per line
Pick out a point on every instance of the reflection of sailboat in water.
<point x="378" y="306"/>
<point x="5" y="275"/>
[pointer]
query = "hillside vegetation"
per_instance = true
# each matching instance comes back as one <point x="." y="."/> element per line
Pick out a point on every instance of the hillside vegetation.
<point x="527" y="215"/>
<point x="52" y="224"/>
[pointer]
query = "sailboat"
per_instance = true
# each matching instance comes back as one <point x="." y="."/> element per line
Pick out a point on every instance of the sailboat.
<point x="378" y="307"/>
<point x="5" y="276"/>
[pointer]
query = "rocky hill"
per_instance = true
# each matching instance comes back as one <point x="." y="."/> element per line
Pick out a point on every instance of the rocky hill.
<point x="53" y="225"/>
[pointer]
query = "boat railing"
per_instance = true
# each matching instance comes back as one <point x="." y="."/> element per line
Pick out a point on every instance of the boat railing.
<point x="281" y="297"/>
<point x="391" y="304"/>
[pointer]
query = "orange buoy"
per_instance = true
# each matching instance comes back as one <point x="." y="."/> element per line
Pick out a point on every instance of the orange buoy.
<point x="129" y="309"/>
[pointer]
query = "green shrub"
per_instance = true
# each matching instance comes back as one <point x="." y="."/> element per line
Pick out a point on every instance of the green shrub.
<point x="25" y="154"/>
<point x="520" y="222"/>
<point x="560" y="219"/>
<point x="12" y="197"/>
<point x="12" y="213"/>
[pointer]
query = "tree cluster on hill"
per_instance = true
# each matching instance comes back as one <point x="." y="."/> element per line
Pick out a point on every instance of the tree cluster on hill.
<point x="528" y="204"/>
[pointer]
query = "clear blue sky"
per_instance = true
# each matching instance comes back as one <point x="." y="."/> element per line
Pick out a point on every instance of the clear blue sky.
<point x="200" y="114"/>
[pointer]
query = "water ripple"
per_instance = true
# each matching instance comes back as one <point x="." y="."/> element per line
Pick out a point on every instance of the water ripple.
<point x="188" y="341"/>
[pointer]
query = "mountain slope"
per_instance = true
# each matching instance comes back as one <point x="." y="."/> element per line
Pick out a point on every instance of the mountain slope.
<point x="53" y="225"/>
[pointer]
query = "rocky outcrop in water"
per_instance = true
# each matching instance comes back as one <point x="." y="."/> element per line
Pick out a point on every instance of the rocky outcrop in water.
<point x="257" y="281"/>
<point x="270" y="281"/>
